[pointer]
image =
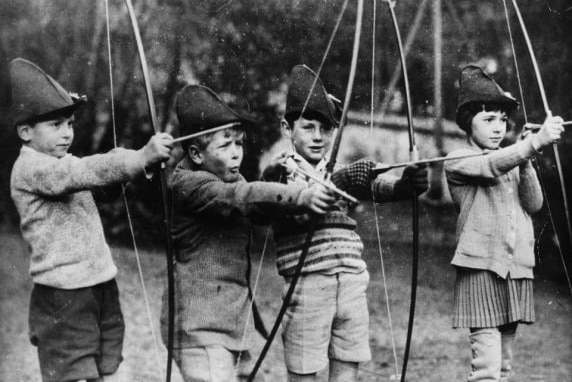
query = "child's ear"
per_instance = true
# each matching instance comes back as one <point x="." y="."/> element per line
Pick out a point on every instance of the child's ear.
<point x="24" y="131"/>
<point x="285" y="128"/>
<point x="195" y="155"/>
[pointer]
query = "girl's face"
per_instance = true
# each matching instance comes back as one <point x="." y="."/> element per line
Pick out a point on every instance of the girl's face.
<point x="488" y="129"/>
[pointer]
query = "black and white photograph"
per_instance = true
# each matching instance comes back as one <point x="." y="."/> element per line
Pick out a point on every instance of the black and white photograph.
<point x="285" y="190"/>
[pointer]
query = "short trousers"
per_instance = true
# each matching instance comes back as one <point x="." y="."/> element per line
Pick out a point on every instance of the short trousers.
<point x="327" y="318"/>
<point x="78" y="332"/>
<point x="213" y="364"/>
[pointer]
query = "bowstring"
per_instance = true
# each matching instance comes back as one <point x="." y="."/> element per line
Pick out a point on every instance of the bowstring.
<point x="378" y="233"/>
<point x="255" y="287"/>
<point x="314" y="83"/>
<point x="125" y="201"/>
<point x="534" y="162"/>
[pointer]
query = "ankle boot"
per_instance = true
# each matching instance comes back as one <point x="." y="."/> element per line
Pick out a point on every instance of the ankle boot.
<point x="486" y="349"/>
<point x="507" y="340"/>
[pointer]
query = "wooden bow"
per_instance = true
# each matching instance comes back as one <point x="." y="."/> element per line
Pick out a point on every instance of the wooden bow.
<point x="164" y="193"/>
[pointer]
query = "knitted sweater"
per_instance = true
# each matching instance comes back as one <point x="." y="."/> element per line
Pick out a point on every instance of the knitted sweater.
<point x="211" y="235"/>
<point x="58" y="217"/>
<point x="335" y="246"/>
<point x="495" y="195"/>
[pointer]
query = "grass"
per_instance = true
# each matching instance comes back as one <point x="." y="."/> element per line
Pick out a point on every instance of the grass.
<point x="543" y="351"/>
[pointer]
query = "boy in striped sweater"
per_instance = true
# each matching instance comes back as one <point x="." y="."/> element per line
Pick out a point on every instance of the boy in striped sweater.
<point x="75" y="318"/>
<point x="495" y="195"/>
<point x="328" y="317"/>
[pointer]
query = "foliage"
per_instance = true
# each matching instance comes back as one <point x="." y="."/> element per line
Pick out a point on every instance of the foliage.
<point x="244" y="50"/>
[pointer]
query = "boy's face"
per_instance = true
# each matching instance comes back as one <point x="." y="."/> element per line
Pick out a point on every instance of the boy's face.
<point x="53" y="137"/>
<point x="488" y="129"/>
<point x="311" y="138"/>
<point x="223" y="155"/>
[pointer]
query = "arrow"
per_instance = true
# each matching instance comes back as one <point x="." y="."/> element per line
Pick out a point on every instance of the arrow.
<point x="382" y="167"/>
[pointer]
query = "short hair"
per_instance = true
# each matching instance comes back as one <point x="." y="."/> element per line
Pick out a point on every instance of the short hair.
<point x="202" y="141"/>
<point x="292" y="117"/>
<point x="53" y="115"/>
<point x="467" y="112"/>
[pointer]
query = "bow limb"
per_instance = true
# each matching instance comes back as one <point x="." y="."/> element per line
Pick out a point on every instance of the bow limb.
<point x="164" y="193"/>
<point x="548" y="114"/>
<point x="414" y="156"/>
<point x="329" y="169"/>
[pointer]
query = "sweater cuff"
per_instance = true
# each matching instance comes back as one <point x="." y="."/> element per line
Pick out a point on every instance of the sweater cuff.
<point x="135" y="163"/>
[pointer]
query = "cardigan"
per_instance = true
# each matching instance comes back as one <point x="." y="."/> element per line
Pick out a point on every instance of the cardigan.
<point x="211" y="228"/>
<point x="59" y="220"/>
<point x="495" y="195"/>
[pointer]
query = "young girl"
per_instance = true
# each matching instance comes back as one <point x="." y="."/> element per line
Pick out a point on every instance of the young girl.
<point x="495" y="195"/>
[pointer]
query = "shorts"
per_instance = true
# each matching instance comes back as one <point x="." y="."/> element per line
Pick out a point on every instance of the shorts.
<point x="78" y="332"/>
<point x="213" y="364"/>
<point x="326" y="319"/>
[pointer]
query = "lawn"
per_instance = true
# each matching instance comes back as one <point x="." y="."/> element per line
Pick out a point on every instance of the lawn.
<point x="543" y="351"/>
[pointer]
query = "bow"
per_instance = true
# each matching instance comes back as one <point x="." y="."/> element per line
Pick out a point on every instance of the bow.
<point x="329" y="169"/>
<point x="164" y="192"/>
<point x="548" y="114"/>
<point x="414" y="156"/>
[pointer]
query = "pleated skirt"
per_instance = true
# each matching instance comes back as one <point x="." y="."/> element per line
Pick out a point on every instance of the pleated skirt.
<point x="485" y="300"/>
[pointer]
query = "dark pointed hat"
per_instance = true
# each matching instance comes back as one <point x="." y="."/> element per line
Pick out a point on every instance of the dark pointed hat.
<point x="477" y="86"/>
<point x="319" y="101"/>
<point x="36" y="96"/>
<point x="199" y="109"/>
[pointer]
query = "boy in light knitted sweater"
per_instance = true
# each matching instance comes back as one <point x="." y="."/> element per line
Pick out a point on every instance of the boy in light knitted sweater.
<point x="75" y="318"/>
<point x="213" y="210"/>
<point x="327" y="317"/>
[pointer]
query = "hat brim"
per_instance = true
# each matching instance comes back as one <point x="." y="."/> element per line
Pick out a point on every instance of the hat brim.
<point x="67" y="111"/>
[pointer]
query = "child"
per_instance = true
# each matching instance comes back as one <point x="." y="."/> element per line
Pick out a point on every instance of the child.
<point x="328" y="315"/>
<point x="75" y="318"/>
<point x="495" y="195"/>
<point x="213" y="207"/>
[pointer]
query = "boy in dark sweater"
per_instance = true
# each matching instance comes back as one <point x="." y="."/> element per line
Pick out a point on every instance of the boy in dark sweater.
<point x="213" y="209"/>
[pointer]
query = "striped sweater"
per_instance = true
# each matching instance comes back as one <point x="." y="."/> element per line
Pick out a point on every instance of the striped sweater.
<point x="335" y="246"/>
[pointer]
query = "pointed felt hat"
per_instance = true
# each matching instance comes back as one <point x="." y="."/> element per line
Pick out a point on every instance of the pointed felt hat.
<point x="199" y="109"/>
<point x="306" y="86"/>
<point x="36" y="96"/>
<point x="477" y="86"/>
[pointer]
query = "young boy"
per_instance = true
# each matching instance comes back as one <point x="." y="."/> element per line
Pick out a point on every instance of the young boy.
<point x="213" y="207"/>
<point x="495" y="195"/>
<point x="328" y="316"/>
<point x="75" y="318"/>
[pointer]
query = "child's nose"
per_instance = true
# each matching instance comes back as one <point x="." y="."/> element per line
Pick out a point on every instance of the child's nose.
<point x="235" y="151"/>
<point x="317" y="135"/>
<point x="68" y="131"/>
